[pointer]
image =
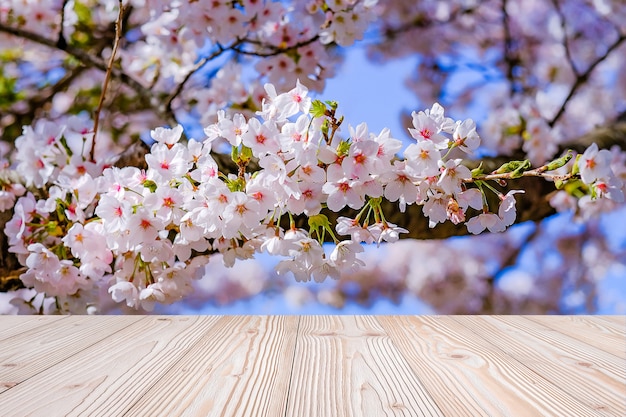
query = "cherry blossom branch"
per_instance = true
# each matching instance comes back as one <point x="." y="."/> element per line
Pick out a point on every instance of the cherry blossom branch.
<point x="510" y="60"/>
<point x="566" y="44"/>
<point x="422" y="22"/>
<point x="537" y="172"/>
<point x="275" y="50"/>
<point x="583" y="77"/>
<point x="86" y="59"/>
<point x="201" y="63"/>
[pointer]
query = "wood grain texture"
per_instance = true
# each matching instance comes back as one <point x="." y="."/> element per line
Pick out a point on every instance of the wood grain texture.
<point x="468" y="377"/>
<point x="330" y="366"/>
<point x="240" y="368"/>
<point x="583" y="372"/>
<point x="348" y="366"/>
<point x="112" y="373"/>
<point x="13" y="325"/>
<point x="37" y="349"/>
<point x="587" y="330"/>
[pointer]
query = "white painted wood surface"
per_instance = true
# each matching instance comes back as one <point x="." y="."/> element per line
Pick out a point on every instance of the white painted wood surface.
<point x="327" y="366"/>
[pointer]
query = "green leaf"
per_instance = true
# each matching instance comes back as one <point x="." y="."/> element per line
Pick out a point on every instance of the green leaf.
<point x="318" y="108"/>
<point x="343" y="148"/>
<point x="319" y="221"/>
<point x="575" y="168"/>
<point x="516" y="168"/>
<point x="150" y="185"/>
<point x="559" y="162"/>
<point x="234" y="154"/>
<point x="236" y="184"/>
<point x="478" y="171"/>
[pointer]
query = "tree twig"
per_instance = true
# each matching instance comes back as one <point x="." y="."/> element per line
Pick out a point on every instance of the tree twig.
<point x="584" y="76"/>
<point x="196" y="68"/>
<point x="107" y="76"/>
<point x="275" y="50"/>
<point x="84" y="57"/>
<point x="510" y="60"/>
<point x="568" y="52"/>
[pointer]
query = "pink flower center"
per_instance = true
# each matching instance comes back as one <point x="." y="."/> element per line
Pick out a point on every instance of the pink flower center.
<point x="426" y="133"/>
<point x="344" y="187"/>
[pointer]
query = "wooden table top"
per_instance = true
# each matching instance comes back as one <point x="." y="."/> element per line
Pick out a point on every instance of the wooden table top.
<point x="325" y="366"/>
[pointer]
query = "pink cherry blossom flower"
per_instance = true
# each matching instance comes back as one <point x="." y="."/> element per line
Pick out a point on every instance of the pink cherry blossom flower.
<point x="452" y="175"/>
<point x="360" y="160"/>
<point x="358" y="233"/>
<point x="390" y="232"/>
<point x="167" y="136"/>
<point x="400" y="186"/>
<point x="425" y="128"/>
<point x="125" y="291"/>
<point x="507" y="210"/>
<point x="294" y="101"/>
<point x="343" y="192"/>
<point x="483" y="221"/>
<point x="113" y="212"/>
<point x="261" y="138"/>
<point x="241" y="215"/>
<point x="594" y="164"/>
<point x="168" y="162"/>
<point x="611" y="188"/>
<point x="435" y="208"/>
<point x="422" y="159"/>
<point x="465" y="136"/>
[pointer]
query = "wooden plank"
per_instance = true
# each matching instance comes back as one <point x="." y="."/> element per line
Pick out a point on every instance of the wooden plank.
<point x="14" y="325"/>
<point x="618" y="321"/>
<point x="590" y="378"/>
<point x="107" y="377"/>
<point x="609" y="364"/>
<point x="588" y="330"/>
<point x="30" y="352"/>
<point x="240" y="368"/>
<point x="348" y="366"/>
<point x="468" y="377"/>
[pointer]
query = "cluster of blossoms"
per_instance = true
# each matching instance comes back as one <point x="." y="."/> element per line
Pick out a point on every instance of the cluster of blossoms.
<point x="166" y="42"/>
<point x="547" y="71"/>
<point x="145" y="235"/>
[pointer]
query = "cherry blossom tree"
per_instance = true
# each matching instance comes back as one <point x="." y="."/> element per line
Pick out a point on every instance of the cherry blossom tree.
<point x="150" y="146"/>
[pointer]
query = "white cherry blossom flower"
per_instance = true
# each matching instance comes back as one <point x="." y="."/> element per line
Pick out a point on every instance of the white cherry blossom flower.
<point x="483" y="221"/>
<point x="594" y="164"/>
